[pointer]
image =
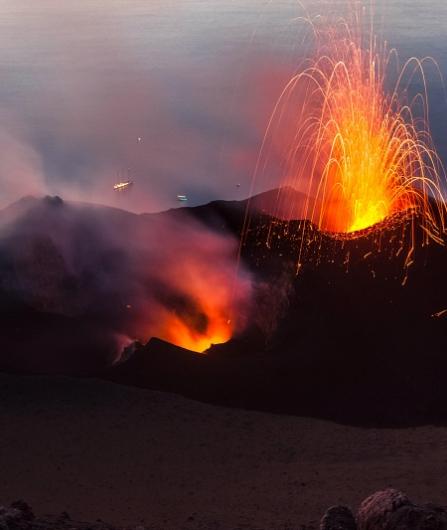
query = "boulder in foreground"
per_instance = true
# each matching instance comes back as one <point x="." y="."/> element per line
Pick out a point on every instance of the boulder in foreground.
<point x="386" y="510"/>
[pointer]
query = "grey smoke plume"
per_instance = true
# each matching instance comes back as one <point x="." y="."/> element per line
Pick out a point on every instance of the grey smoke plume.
<point x="77" y="278"/>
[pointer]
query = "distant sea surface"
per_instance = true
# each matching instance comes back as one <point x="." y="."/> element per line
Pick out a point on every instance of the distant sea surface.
<point x="172" y="94"/>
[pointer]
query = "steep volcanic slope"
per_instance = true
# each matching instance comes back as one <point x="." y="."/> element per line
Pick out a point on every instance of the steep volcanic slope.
<point x="57" y="301"/>
<point x="359" y="335"/>
<point x="78" y="282"/>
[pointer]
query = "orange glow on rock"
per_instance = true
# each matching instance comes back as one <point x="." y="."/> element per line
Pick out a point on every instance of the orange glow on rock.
<point x="204" y="318"/>
<point x="373" y="159"/>
<point x="217" y="331"/>
<point x="359" y="152"/>
<point x="207" y="303"/>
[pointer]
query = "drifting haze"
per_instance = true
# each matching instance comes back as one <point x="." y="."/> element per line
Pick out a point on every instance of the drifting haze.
<point x="97" y="278"/>
<point x="79" y="94"/>
<point x="196" y="80"/>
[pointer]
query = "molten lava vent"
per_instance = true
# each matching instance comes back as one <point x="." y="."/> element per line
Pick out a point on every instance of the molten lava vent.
<point x="360" y="152"/>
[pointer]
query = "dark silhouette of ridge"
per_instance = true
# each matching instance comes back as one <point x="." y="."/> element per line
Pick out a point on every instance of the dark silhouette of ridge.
<point x="356" y="336"/>
<point x="359" y="336"/>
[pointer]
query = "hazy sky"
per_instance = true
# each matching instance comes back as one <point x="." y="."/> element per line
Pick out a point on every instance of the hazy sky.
<point x="195" y="79"/>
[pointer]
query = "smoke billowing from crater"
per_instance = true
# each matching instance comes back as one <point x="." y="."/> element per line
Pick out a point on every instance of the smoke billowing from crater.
<point x="89" y="278"/>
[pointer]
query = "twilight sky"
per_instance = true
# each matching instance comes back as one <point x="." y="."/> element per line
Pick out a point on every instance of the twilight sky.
<point x="195" y="79"/>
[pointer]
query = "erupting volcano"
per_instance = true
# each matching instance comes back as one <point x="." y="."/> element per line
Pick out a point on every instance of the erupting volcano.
<point x="223" y="256"/>
<point x="360" y="153"/>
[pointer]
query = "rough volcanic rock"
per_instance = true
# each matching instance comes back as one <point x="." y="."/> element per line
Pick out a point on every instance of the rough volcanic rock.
<point x="25" y="511"/>
<point x="338" y="518"/>
<point x="16" y="517"/>
<point x="376" y="510"/>
<point x="19" y="516"/>
<point x="360" y="314"/>
<point x="392" y="510"/>
<point x="384" y="510"/>
<point x="426" y="517"/>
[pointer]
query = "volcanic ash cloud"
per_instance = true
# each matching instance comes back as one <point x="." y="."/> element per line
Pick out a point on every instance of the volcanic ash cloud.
<point x="118" y="275"/>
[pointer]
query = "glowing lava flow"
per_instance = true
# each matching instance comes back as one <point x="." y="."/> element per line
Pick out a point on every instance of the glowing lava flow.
<point x="201" y="301"/>
<point x="214" y="329"/>
<point x="199" y="314"/>
<point x="361" y="154"/>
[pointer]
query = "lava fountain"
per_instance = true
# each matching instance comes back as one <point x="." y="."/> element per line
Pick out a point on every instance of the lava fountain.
<point x="359" y="152"/>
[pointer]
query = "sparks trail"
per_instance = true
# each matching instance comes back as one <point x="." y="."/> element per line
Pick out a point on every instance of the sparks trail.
<point x="360" y="154"/>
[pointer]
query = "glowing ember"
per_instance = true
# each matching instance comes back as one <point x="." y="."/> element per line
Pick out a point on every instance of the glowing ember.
<point x="216" y="330"/>
<point x="201" y="320"/>
<point x="197" y="313"/>
<point x="200" y="315"/>
<point x="201" y="299"/>
<point x="375" y="162"/>
<point x="360" y="154"/>
<point x="202" y="309"/>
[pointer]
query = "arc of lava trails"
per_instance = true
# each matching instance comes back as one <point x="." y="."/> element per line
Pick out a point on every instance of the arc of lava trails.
<point x="360" y="155"/>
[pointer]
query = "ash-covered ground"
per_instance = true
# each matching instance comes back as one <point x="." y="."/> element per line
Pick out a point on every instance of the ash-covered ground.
<point x="136" y="457"/>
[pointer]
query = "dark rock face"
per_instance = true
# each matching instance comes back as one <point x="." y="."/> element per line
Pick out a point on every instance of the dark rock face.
<point x="338" y="518"/>
<point x="25" y="511"/>
<point x="427" y="517"/>
<point x="376" y="510"/>
<point x="19" y="516"/>
<point x="384" y="510"/>
<point x="357" y="317"/>
<point x="392" y="510"/>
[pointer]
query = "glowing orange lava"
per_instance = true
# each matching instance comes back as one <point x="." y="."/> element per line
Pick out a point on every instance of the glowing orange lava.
<point x="202" y="317"/>
<point x="218" y="330"/>
<point x="206" y="303"/>
<point x="375" y="161"/>
<point x="359" y="153"/>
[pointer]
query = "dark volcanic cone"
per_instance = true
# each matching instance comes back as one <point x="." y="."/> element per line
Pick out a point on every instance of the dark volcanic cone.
<point x="357" y="336"/>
